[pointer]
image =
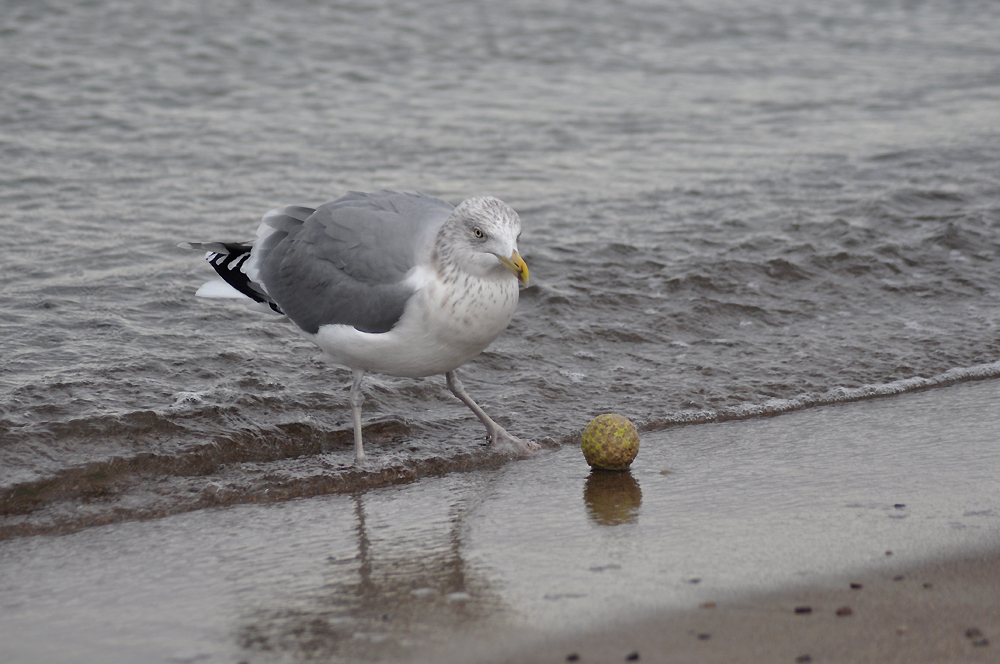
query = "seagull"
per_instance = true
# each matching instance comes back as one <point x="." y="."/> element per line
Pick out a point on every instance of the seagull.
<point x="402" y="284"/>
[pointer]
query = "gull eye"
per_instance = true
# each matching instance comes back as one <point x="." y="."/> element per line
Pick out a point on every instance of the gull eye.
<point x="477" y="232"/>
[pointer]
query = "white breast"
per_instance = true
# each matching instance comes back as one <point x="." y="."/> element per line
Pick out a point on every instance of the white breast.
<point x="446" y="323"/>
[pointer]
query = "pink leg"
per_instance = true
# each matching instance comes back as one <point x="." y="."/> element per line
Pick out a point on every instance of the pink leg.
<point x="357" y="398"/>
<point x="496" y="434"/>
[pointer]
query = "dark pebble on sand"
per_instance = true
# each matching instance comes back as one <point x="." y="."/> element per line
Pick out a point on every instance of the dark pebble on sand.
<point x="803" y="658"/>
<point x="899" y="506"/>
<point x="704" y="636"/>
<point x="928" y="585"/>
<point x="856" y="586"/>
<point x="573" y="657"/>
<point x="888" y="553"/>
<point x="694" y="580"/>
<point x="973" y="633"/>
<point x="844" y="611"/>
<point x="898" y="578"/>
<point x="802" y="610"/>
<point x="632" y="657"/>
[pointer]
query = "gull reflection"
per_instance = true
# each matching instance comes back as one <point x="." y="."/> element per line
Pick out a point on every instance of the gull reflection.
<point x="401" y="583"/>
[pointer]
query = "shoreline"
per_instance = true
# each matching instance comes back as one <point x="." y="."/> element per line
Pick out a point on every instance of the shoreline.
<point x="152" y="486"/>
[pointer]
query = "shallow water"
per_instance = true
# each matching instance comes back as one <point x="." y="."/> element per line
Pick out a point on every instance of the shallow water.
<point x="530" y="549"/>
<point x="723" y="206"/>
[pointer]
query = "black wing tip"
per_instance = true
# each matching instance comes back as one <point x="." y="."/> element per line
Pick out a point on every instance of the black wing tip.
<point x="227" y="259"/>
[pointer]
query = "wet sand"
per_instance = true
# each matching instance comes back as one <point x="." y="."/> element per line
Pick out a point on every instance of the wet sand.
<point x="719" y="529"/>
<point x="947" y="611"/>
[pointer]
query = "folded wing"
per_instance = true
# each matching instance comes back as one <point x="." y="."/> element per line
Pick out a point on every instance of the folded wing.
<point x="346" y="262"/>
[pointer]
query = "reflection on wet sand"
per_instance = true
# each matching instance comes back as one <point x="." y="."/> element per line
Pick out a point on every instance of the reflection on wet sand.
<point x="612" y="497"/>
<point x="407" y="586"/>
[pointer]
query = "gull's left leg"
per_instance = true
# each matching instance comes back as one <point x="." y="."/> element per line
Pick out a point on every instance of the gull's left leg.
<point x="497" y="434"/>
<point x="357" y="398"/>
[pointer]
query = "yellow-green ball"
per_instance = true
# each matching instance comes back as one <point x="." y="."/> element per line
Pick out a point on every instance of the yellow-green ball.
<point x="610" y="442"/>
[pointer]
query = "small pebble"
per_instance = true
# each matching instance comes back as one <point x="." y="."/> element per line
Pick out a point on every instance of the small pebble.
<point x="856" y="586"/>
<point x="802" y="610"/>
<point x="888" y="553"/>
<point x="899" y="506"/>
<point x="844" y="611"/>
<point x="423" y="592"/>
<point x="898" y="578"/>
<point x="573" y="657"/>
<point x="707" y="605"/>
<point x="694" y="580"/>
<point x="928" y="585"/>
<point x="973" y="633"/>
<point x="704" y="636"/>
<point x="902" y="629"/>
<point x="632" y="657"/>
<point x="803" y="658"/>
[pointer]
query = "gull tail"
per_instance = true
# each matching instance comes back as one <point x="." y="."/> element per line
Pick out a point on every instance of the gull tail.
<point x="229" y="260"/>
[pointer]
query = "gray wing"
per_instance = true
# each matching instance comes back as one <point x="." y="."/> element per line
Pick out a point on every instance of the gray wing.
<point x="346" y="262"/>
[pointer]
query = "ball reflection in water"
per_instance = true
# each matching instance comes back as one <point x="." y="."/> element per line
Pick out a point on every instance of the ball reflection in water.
<point x="612" y="497"/>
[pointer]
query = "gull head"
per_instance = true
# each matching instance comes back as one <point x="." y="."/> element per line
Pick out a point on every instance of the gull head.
<point x="481" y="237"/>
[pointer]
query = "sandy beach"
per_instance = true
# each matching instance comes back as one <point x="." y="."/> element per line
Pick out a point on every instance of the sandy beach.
<point x="942" y="612"/>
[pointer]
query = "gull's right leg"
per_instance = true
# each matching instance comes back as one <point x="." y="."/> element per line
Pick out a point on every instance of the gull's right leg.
<point x="357" y="398"/>
<point x="495" y="433"/>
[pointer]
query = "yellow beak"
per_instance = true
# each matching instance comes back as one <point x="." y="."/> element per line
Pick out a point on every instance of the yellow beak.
<point x="516" y="265"/>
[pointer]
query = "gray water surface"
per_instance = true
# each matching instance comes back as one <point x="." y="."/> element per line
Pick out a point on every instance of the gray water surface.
<point x="724" y="204"/>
